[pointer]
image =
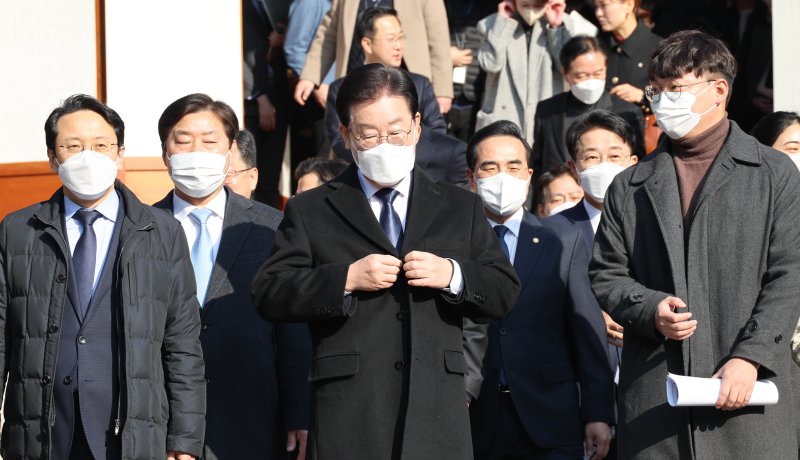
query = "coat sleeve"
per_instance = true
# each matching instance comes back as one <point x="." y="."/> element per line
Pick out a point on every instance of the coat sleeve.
<point x="538" y="144"/>
<point x="476" y="341"/>
<point x="429" y="109"/>
<point x="4" y="336"/>
<point x="776" y="309"/>
<point x="182" y="355"/>
<point x="294" y="366"/>
<point x="496" y="33"/>
<point x="629" y="303"/>
<point x="589" y="338"/>
<point x="457" y="166"/>
<point x="322" y="53"/>
<point x="289" y="287"/>
<point x="435" y="17"/>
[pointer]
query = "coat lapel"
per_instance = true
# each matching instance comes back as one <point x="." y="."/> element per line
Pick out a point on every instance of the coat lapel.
<point x="425" y="202"/>
<point x="530" y="242"/>
<point x="517" y="65"/>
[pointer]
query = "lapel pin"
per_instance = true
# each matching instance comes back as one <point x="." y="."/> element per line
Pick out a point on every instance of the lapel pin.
<point x="535" y="240"/>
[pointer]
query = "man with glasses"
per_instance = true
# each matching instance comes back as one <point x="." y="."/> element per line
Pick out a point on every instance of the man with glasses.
<point x="385" y="263"/>
<point x="243" y="175"/>
<point x="99" y="321"/>
<point x="696" y="257"/>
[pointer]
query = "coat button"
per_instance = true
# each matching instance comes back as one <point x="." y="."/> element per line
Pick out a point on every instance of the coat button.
<point x="753" y="327"/>
<point x="60" y="278"/>
<point x="615" y="80"/>
<point x="52" y="329"/>
<point x="503" y="331"/>
<point x="47" y="379"/>
<point x="619" y="50"/>
<point x="67" y="380"/>
<point x="640" y="65"/>
<point x="778" y="338"/>
<point x="400" y="315"/>
<point x="82" y="340"/>
<point x="399" y="365"/>
<point x="204" y="327"/>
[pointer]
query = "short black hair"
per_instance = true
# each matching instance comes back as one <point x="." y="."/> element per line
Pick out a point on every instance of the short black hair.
<point x="194" y="103"/>
<point x="767" y="129"/>
<point x="371" y="81"/>
<point x="365" y="26"/>
<point x="695" y="52"/>
<point x="246" y="144"/>
<point x="324" y="168"/>
<point x="548" y="177"/>
<point x="498" y="128"/>
<point x="578" y="46"/>
<point x="78" y="102"/>
<point x="598" y="119"/>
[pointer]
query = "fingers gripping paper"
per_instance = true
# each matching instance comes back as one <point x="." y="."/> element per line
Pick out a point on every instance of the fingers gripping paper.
<point x="696" y="391"/>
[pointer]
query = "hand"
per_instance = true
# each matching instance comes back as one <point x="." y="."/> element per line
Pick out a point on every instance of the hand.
<point x="321" y="95"/>
<point x="424" y="269"/>
<point x="675" y="326"/>
<point x="460" y="57"/>
<point x="506" y="8"/>
<point x="266" y="113"/>
<point x="613" y="331"/>
<point x="275" y="40"/>
<point x="297" y="439"/>
<point x="554" y="12"/>
<point x="173" y="455"/>
<point x="372" y="273"/>
<point x="303" y="90"/>
<point x="444" y="104"/>
<point x="598" y="439"/>
<point x="628" y="93"/>
<point x="738" y="378"/>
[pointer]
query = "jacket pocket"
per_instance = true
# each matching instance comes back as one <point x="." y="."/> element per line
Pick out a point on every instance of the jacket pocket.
<point x="454" y="362"/>
<point x="333" y="366"/>
<point x="553" y="373"/>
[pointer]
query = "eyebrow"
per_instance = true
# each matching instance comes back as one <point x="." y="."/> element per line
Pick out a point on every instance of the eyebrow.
<point x="183" y="132"/>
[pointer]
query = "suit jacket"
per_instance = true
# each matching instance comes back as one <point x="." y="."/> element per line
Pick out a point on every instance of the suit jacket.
<point x="519" y="75"/>
<point x="257" y="372"/>
<point x="549" y="344"/>
<point x="628" y="61"/>
<point x="737" y="268"/>
<point x="381" y="358"/>
<point x="427" y="44"/>
<point x="550" y="127"/>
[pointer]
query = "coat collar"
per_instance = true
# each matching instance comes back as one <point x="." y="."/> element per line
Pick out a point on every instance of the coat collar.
<point x="533" y="236"/>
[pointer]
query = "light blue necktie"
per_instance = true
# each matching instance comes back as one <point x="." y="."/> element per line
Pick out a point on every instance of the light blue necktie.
<point x="202" y="257"/>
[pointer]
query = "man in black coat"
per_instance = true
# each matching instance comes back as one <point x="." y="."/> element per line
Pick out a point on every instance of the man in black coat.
<point x="385" y="262"/>
<point x="99" y="321"/>
<point x="551" y="343"/>
<point x="257" y="373"/>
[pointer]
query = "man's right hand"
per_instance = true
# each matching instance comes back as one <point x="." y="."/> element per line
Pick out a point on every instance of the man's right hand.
<point x="614" y="331"/>
<point x="266" y="113"/>
<point x="321" y="95"/>
<point x="303" y="90"/>
<point x="672" y="325"/>
<point x="373" y="273"/>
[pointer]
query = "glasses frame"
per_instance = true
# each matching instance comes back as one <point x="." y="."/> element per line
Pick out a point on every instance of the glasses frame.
<point x="378" y="138"/>
<point x="234" y="173"/>
<point x="390" y="41"/>
<point x="91" y="147"/>
<point x="653" y="96"/>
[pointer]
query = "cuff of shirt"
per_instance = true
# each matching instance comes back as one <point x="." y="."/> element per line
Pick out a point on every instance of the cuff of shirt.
<point x="457" y="281"/>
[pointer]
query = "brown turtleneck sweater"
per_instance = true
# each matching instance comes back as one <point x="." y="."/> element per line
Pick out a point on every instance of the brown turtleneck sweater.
<point x="693" y="158"/>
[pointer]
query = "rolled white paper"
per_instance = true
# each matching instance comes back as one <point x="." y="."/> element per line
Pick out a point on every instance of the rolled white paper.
<point x="698" y="391"/>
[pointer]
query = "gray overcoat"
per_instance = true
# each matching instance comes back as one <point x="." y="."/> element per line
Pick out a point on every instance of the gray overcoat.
<point x="739" y="276"/>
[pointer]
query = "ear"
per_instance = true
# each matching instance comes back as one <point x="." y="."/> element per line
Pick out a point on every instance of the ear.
<point x="254" y="176"/>
<point x="52" y="160"/>
<point x="120" y="157"/>
<point x="366" y="45"/>
<point x="634" y="159"/>
<point x="471" y="180"/>
<point x="540" y="210"/>
<point x="345" y="133"/>
<point x="721" y="89"/>
<point x="417" y="127"/>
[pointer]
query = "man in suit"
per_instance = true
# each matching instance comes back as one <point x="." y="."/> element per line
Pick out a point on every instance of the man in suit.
<point x="243" y="174"/>
<point x="385" y="262"/>
<point x="98" y="315"/>
<point x="583" y="63"/>
<point x="315" y="171"/>
<point x="557" y="190"/>
<point x="258" y="395"/>
<point x="427" y="38"/>
<point x="549" y="345"/>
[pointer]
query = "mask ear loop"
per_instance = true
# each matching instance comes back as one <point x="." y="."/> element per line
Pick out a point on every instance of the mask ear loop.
<point x="713" y="106"/>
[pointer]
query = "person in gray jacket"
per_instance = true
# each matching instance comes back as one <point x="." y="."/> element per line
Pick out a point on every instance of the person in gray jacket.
<point x="99" y="322"/>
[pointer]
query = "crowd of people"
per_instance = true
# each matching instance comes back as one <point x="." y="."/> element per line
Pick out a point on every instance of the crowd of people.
<point x="512" y="220"/>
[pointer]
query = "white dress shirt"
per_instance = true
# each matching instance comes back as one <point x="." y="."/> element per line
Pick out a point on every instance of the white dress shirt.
<point x="181" y="210"/>
<point x="512" y="235"/>
<point x="103" y="229"/>
<point x="400" y="206"/>
<point x="594" y="215"/>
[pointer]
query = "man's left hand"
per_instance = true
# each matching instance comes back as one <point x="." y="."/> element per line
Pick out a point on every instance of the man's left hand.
<point x="296" y="440"/>
<point x="598" y="438"/>
<point x="444" y="104"/>
<point x="738" y="379"/>
<point x="424" y="269"/>
<point x="628" y="93"/>
<point x="554" y="12"/>
<point x="173" y="455"/>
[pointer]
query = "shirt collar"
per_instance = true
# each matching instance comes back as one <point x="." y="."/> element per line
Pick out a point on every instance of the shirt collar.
<point x="182" y="208"/>
<point x="108" y="208"/>
<point x="513" y="223"/>
<point x="370" y="189"/>
<point x="591" y="210"/>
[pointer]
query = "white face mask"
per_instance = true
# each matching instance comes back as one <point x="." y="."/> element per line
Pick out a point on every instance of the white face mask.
<point x="676" y="118"/>
<point x="88" y="175"/>
<point x="530" y="15"/>
<point x="588" y="91"/>
<point x="385" y="164"/>
<point x="595" y="180"/>
<point x="796" y="158"/>
<point x="198" y="174"/>
<point x="562" y="207"/>
<point x="502" y="193"/>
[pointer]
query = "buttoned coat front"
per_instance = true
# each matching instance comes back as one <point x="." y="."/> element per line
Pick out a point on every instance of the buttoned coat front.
<point x="737" y="269"/>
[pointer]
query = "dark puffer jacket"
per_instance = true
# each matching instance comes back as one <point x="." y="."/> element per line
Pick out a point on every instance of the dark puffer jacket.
<point x="163" y="387"/>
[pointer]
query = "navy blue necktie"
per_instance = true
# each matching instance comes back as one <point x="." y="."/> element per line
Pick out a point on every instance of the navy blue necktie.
<point x="390" y="221"/>
<point x="84" y="257"/>
<point x="501" y="231"/>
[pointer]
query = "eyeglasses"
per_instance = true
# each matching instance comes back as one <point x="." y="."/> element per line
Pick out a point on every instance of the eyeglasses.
<point x="75" y="147"/>
<point x="233" y="174"/>
<point x="391" y="41"/>
<point x="394" y="138"/>
<point x="653" y="93"/>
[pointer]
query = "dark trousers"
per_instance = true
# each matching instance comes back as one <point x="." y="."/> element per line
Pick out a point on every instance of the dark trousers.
<point x="511" y="440"/>
<point x="80" y="446"/>
<point x="269" y="147"/>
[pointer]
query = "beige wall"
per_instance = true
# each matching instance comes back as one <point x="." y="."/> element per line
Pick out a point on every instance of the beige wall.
<point x="786" y="54"/>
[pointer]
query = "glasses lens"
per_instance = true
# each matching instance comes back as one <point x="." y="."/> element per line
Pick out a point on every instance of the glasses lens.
<point x="398" y="138"/>
<point x="368" y="142"/>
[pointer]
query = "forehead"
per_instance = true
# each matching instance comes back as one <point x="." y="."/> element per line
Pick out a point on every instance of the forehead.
<point x="599" y="138"/>
<point x="590" y="59"/>
<point x="83" y="123"/>
<point x="685" y="78"/>
<point x="501" y="149"/>
<point x="380" y="112"/>
<point x="386" y="22"/>
<point x="203" y="122"/>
